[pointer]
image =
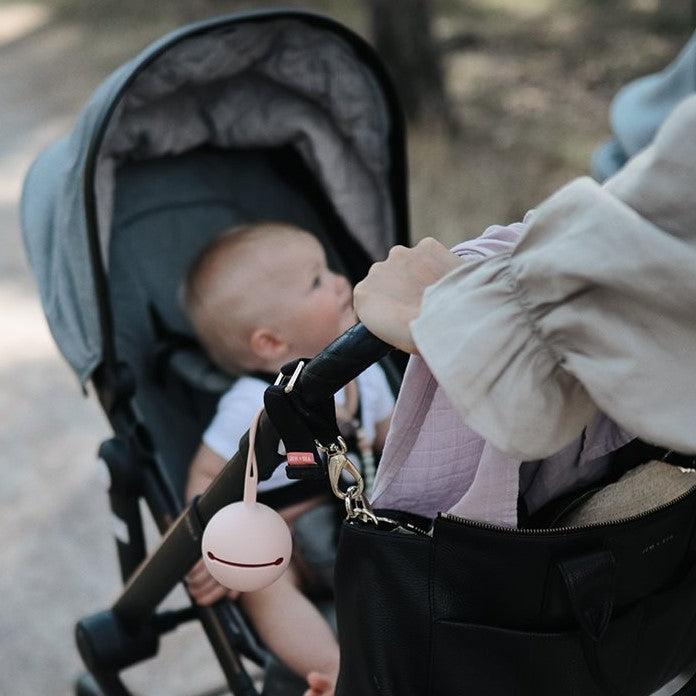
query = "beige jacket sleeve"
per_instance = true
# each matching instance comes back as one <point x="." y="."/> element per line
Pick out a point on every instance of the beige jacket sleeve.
<point x="594" y="309"/>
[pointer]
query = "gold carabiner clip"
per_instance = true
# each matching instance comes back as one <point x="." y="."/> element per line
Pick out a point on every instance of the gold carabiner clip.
<point x="338" y="463"/>
<point x="353" y="498"/>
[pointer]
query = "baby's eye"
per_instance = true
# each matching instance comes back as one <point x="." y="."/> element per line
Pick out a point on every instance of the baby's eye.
<point x="316" y="282"/>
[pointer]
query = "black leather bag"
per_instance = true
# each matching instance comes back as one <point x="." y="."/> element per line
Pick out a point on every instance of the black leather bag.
<point x="605" y="609"/>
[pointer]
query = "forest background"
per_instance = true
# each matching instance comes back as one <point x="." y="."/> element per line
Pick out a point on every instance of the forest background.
<point x="526" y="84"/>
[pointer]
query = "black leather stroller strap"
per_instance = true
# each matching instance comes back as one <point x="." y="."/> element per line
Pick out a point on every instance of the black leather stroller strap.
<point x="299" y="426"/>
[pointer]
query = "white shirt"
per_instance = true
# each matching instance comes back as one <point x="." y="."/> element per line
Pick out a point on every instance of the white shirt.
<point x="238" y="406"/>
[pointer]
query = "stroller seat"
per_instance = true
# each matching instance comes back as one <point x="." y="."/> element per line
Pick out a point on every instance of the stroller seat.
<point x="165" y="212"/>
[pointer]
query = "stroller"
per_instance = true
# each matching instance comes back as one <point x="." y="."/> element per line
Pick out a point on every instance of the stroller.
<point x="271" y="115"/>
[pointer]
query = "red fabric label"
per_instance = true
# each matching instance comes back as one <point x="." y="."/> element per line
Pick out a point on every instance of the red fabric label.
<point x="300" y="458"/>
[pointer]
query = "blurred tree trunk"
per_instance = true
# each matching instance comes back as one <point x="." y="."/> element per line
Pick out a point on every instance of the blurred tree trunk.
<point x="402" y="35"/>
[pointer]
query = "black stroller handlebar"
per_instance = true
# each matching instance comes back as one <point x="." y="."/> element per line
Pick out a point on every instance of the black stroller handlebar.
<point x="340" y="362"/>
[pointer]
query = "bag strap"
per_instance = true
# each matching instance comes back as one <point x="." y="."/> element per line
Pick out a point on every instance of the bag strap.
<point x="301" y="423"/>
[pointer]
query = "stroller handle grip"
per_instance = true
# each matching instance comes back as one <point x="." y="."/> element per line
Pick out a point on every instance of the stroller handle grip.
<point x="340" y="362"/>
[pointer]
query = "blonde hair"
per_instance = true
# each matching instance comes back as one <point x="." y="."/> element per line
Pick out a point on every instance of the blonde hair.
<point x="218" y="279"/>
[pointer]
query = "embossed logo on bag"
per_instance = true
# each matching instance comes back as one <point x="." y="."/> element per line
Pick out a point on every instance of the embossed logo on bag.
<point x="657" y="544"/>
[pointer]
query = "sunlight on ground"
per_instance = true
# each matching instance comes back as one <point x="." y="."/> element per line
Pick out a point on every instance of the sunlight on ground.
<point x="29" y="337"/>
<point x="524" y="9"/>
<point x="12" y="170"/>
<point x="646" y="5"/>
<point x="14" y="165"/>
<point x="471" y="73"/>
<point x="20" y="19"/>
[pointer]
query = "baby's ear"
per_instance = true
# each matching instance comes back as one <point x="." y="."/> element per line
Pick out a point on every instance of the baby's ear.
<point x="266" y="345"/>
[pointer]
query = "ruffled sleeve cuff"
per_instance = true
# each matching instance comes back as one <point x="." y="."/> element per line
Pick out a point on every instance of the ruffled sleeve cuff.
<point x="593" y="309"/>
<point x="485" y="349"/>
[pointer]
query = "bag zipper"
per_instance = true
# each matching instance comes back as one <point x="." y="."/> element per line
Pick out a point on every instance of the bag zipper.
<point x="561" y="530"/>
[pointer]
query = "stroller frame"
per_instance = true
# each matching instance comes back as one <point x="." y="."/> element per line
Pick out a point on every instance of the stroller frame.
<point x="128" y="632"/>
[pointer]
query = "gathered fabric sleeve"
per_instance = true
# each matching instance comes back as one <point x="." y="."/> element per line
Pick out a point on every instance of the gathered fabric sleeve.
<point x="495" y="239"/>
<point x="593" y="309"/>
<point x="431" y="458"/>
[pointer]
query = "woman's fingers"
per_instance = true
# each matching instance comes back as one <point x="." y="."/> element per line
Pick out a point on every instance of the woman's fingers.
<point x="389" y="298"/>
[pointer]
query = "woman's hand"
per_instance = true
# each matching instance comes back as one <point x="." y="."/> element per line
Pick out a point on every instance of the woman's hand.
<point x="389" y="297"/>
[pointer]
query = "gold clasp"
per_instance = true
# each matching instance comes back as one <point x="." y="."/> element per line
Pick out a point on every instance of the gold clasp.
<point x="356" y="505"/>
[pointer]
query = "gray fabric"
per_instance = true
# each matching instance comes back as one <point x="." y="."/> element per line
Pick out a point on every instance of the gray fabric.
<point x="594" y="309"/>
<point x="265" y="85"/>
<point x="640" y="107"/>
<point x="273" y="83"/>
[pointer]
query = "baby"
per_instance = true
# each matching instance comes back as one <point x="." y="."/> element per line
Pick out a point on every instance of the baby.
<point x="258" y="297"/>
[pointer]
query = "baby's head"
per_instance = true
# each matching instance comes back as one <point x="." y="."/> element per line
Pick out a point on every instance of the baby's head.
<point x="261" y="295"/>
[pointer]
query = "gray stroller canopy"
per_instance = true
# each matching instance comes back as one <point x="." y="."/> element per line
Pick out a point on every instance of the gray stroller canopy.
<point x="262" y="80"/>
